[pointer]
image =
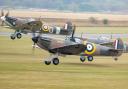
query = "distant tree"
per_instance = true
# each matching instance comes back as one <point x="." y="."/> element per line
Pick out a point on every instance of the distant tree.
<point x="93" y="20"/>
<point x="105" y="21"/>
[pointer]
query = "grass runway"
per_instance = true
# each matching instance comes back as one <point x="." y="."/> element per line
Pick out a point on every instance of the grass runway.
<point x="102" y="30"/>
<point x="23" y="68"/>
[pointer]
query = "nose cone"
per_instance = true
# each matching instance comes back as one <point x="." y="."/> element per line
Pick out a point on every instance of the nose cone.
<point x="35" y="39"/>
<point x="3" y="18"/>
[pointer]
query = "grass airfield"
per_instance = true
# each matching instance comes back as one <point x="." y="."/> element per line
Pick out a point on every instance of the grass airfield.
<point x="102" y="30"/>
<point x="21" y="67"/>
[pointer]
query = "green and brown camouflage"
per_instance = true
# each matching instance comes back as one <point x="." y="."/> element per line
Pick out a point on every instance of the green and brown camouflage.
<point x="76" y="46"/>
<point x="33" y="26"/>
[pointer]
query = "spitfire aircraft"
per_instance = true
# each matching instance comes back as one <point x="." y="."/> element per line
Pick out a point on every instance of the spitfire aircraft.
<point x="75" y="46"/>
<point x="20" y="25"/>
<point x="105" y="41"/>
<point x="25" y="26"/>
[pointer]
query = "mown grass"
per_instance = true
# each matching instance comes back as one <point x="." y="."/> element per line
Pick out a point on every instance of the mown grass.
<point x="23" y="68"/>
<point x="5" y="29"/>
<point x="98" y="30"/>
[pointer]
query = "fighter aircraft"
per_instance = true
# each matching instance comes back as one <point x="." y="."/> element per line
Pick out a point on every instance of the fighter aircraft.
<point x="75" y="46"/>
<point x="31" y="25"/>
<point x="105" y="41"/>
<point x="20" y="25"/>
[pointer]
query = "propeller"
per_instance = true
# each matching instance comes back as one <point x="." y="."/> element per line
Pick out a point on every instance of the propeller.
<point x="35" y="36"/>
<point x="35" y="27"/>
<point x="7" y="14"/>
<point x="3" y="15"/>
<point x="34" y="40"/>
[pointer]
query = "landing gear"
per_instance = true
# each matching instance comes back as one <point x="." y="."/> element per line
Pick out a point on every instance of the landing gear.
<point x="55" y="61"/>
<point x="115" y="59"/>
<point x="12" y="37"/>
<point x="82" y="58"/>
<point x="52" y="59"/>
<point x="90" y="58"/>
<point x="18" y="35"/>
<point x="47" y="62"/>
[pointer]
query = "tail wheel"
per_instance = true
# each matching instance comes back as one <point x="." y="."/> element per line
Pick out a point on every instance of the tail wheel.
<point x="82" y="58"/>
<point x="18" y="35"/>
<point x="47" y="62"/>
<point x="90" y="58"/>
<point x="55" y="61"/>
<point x="12" y="37"/>
<point x="115" y="59"/>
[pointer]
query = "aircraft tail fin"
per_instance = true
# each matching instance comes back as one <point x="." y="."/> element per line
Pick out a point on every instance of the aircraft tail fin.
<point x="118" y="44"/>
<point x="67" y="29"/>
<point x="68" y="26"/>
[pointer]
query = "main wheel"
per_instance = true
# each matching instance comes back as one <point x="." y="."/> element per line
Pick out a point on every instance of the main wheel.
<point x="90" y="58"/>
<point x="12" y="37"/>
<point x="47" y="62"/>
<point x="82" y="58"/>
<point x="55" y="61"/>
<point x="18" y="35"/>
<point x="115" y="59"/>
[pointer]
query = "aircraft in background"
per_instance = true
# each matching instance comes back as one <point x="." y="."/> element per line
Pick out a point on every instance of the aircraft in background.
<point x="105" y="41"/>
<point x="33" y="26"/>
<point x="20" y="25"/>
<point x="75" y="46"/>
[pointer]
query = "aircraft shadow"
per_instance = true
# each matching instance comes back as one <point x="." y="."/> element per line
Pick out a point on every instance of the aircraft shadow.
<point x="88" y="64"/>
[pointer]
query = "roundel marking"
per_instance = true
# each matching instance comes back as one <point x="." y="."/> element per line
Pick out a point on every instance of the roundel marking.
<point x="45" y="28"/>
<point x="90" y="49"/>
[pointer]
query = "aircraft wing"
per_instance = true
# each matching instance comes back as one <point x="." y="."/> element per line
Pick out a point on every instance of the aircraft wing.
<point x="35" y="24"/>
<point x="73" y="49"/>
<point x="61" y="46"/>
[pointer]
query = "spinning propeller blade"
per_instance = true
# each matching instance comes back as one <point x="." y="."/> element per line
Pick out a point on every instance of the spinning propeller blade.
<point x="7" y="14"/>
<point x="3" y="15"/>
